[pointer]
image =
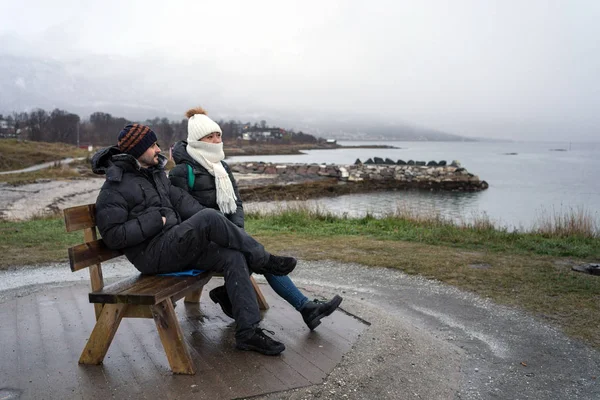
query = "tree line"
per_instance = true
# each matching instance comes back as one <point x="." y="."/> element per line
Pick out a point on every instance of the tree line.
<point x="101" y="128"/>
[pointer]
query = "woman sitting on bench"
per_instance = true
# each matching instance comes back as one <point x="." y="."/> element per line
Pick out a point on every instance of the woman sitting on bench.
<point x="202" y="172"/>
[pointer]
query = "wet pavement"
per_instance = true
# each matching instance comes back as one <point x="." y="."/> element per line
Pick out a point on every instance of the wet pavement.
<point x="426" y="340"/>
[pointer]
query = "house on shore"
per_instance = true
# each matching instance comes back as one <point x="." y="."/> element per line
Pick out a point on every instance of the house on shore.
<point x="7" y="130"/>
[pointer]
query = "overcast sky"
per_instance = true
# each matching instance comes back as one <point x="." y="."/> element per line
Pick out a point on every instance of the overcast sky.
<point x="523" y="69"/>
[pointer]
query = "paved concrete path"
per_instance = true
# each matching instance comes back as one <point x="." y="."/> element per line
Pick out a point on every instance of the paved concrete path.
<point x="42" y="166"/>
<point x="426" y="340"/>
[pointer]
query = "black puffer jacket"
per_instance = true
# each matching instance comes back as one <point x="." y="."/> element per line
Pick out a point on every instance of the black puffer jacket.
<point x="204" y="189"/>
<point x="133" y="200"/>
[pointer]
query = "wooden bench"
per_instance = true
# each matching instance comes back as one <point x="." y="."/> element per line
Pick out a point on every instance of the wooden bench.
<point x="140" y="296"/>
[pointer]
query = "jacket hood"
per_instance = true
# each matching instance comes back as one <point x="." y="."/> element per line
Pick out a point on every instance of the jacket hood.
<point x="102" y="160"/>
<point x="180" y="153"/>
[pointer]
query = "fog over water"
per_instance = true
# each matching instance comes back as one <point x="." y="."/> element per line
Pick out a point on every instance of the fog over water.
<point x="510" y="69"/>
<point x="540" y="179"/>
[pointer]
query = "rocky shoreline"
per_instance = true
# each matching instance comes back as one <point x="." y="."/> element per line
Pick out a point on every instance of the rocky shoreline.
<point x="305" y="181"/>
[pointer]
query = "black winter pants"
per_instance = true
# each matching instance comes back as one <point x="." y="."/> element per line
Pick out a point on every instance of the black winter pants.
<point x="232" y="264"/>
<point x="209" y="241"/>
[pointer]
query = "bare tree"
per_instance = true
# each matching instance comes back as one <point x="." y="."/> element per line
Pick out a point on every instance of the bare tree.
<point x="62" y="127"/>
<point x="37" y="124"/>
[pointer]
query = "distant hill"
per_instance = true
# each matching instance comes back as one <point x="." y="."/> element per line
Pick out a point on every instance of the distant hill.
<point x="95" y="83"/>
<point x="366" y="128"/>
<point x="399" y="132"/>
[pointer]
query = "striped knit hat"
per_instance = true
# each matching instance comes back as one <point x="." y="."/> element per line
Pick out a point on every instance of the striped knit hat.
<point x="135" y="139"/>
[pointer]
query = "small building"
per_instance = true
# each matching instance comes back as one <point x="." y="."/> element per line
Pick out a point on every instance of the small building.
<point x="262" y="134"/>
<point x="7" y="131"/>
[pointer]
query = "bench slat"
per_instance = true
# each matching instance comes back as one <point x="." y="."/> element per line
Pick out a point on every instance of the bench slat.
<point x="80" y="217"/>
<point x="172" y="287"/>
<point x="148" y="289"/>
<point x="86" y="254"/>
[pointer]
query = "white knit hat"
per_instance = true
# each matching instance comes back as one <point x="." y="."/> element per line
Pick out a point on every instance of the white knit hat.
<point x="200" y="125"/>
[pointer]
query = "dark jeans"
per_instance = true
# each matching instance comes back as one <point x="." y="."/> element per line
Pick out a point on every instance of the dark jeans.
<point x="209" y="241"/>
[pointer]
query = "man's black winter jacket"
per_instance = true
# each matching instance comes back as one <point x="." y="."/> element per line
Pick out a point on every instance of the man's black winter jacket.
<point x="133" y="200"/>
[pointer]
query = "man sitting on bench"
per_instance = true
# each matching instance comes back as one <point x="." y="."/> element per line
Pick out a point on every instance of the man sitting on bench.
<point x="163" y="229"/>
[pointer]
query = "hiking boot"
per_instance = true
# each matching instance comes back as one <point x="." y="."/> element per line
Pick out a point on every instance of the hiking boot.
<point x="313" y="311"/>
<point x="277" y="265"/>
<point x="261" y="343"/>
<point x="219" y="296"/>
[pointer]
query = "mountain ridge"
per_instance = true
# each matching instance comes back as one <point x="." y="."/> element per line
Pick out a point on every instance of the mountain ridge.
<point x="87" y="85"/>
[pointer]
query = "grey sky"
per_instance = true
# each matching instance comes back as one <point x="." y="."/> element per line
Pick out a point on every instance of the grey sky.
<point x="524" y="69"/>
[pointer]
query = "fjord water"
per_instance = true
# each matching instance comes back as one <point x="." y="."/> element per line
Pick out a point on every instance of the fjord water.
<point x="526" y="179"/>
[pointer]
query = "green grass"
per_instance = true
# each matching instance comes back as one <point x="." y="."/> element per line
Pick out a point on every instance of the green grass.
<point x="434" y="232"/>
<point x="34" y="242"/>
<point x="531" y="271"/>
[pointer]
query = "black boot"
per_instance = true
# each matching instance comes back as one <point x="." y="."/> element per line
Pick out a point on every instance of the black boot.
<point x="313" y="311"/>
<point x="219" y="296"/>
<point x="277" y="265"/>
<point x="261" y="343"/>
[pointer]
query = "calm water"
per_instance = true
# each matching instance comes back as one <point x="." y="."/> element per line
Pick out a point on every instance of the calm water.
<point x="523" y="187"/>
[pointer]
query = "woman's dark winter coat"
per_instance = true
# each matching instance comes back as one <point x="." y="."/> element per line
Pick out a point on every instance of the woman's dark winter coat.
<point x="204" y="189"/>
<point x="133" y="200"/>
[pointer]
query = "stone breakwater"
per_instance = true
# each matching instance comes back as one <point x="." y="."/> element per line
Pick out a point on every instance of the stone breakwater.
<point x="393" y="176"/>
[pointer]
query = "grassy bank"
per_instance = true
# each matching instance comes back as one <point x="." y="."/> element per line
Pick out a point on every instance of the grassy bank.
<point x="56" y="172"/>
<point x="18" y="154"/>
<point x="37" y="241"/>
<point x="527" y="270"/>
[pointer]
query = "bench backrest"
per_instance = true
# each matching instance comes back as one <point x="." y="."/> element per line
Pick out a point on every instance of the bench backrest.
<point x="93" y="251"/>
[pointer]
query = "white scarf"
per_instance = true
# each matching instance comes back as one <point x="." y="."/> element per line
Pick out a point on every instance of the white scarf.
<point x="209" y="155"/>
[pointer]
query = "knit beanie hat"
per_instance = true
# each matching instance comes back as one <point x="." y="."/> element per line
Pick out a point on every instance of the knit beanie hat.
<point x="135" y="139"/>
<point x="200" y="125"/>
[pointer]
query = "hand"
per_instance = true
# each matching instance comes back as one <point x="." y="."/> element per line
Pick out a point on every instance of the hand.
<point x="164" y="220"/>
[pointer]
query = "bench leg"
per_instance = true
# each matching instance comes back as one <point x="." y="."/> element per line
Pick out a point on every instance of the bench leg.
<point x="172" y="338"/>
<point x="103" y="334"/>
<point x="193" y="297"/>
<point x="262" y="303"/>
